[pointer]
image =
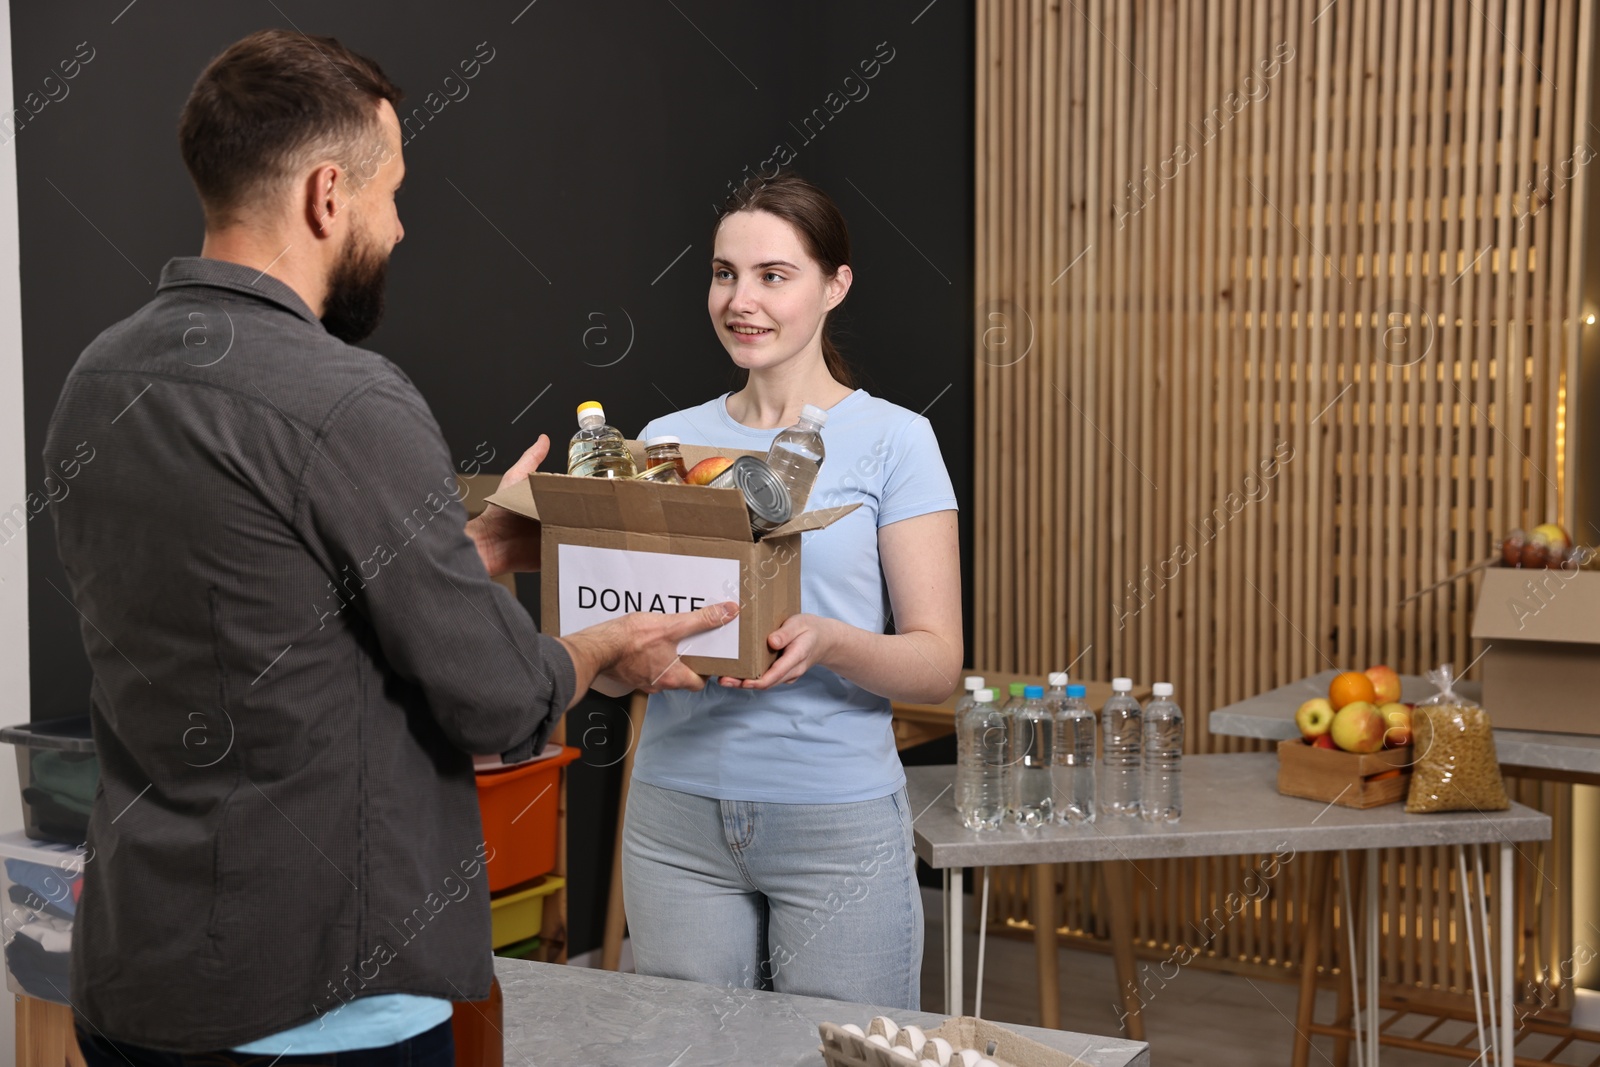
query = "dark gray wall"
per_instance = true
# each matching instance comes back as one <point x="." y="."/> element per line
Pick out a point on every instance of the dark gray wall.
<point x="557" y="212"/>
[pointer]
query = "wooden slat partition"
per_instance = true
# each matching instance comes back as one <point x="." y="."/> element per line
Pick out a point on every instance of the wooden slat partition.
<point x="1277" y="310"/>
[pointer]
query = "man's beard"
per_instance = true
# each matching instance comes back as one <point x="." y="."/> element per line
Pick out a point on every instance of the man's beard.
<point x="354" y="304"/>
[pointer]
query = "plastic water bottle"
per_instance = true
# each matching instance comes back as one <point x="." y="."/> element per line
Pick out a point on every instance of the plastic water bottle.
<point x="1162" y="799"/>
<point x="982" y="751"/>
<point x="1073" y="769"/>
<point x="970" y="687"/>
<point x="796" y="455"/>
<point x="1121" y="737"/>
<point x="1031" y="791"/>
<point x="598" y="450"/>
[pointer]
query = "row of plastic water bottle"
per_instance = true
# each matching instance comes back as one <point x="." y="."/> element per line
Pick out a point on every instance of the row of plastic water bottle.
<point x="1032" y="762"/>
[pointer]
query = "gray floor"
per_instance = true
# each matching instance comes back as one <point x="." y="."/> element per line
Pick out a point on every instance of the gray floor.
<point x="1198" y="1019"/>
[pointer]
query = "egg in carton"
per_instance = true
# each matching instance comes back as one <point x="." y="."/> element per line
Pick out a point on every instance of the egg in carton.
<point x="885" y="1044"/>
<point x="962" y="1041"/>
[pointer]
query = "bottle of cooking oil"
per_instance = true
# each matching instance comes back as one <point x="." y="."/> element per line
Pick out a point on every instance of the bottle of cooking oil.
<point x="598" y="450"/>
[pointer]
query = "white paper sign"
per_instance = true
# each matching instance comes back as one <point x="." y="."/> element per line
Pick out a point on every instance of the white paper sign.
<point x="598" y="584"/>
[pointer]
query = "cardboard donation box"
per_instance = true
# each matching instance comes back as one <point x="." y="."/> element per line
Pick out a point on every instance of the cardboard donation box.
<point x="612" y="546"/>
<point x="1542" y="671"/>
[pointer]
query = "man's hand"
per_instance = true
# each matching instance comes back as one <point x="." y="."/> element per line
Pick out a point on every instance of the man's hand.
<point x="507" y="542"/>
<point x="640" y="651"/>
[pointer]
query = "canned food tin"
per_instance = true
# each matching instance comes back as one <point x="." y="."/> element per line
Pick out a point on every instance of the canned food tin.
<point x="765" y="495"/>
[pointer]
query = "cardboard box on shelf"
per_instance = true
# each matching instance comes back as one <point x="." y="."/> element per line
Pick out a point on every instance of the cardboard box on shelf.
<point x="613" y="546"/>
<point x="1543" y="667"/>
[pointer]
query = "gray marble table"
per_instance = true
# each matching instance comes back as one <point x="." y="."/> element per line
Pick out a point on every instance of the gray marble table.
<point x="1271" y="716"/>
<point x="1231" y="806"/>
<point x="570" y="1016"/>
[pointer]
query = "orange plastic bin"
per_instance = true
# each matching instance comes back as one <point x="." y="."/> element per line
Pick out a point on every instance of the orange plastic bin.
<point x="520" y="808"/>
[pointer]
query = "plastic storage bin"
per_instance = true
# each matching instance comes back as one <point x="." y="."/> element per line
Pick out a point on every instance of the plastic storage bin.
<point x="519" y="915"/>
<point x="40" y="881"/>
<point x="520" y="807"/>
<point x="58" y="772"/>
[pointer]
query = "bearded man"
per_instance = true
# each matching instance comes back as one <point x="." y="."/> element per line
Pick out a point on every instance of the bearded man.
<point x="295" y="639"/>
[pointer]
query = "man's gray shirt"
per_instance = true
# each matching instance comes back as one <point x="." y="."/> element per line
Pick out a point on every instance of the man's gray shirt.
<point x="295" y="648"/>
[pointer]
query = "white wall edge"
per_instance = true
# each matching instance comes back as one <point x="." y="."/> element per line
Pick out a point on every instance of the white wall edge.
<point x="14" y="468"/>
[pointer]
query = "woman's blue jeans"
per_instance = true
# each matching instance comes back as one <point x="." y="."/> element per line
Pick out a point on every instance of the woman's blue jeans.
<point x="814" y="899"/>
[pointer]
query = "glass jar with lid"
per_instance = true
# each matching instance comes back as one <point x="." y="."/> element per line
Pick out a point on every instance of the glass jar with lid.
<point x="664" y="449"/>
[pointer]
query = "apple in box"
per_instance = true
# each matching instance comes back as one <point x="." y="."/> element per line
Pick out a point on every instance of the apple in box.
<point x="706" y="471"/>
<point x="1314" y="718"/>
<point x="1385" y="685"/>
<point x="1397" y="723"/>
<point x="1358" y="727"/>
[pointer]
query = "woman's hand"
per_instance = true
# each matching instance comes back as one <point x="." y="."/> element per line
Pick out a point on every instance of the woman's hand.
<point x="805" y="641"/>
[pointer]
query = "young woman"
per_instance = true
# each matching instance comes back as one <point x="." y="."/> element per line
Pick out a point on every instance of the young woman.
<point x="768" y="842"/>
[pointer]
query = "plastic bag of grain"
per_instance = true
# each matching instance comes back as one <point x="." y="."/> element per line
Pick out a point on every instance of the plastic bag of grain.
<point x="1456" y="767"/>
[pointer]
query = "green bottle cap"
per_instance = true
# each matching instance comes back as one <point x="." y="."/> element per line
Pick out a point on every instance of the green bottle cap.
<point x="1017" y="687"/>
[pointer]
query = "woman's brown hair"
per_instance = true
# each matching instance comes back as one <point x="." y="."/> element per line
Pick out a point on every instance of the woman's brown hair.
<point x="818" y="221"/>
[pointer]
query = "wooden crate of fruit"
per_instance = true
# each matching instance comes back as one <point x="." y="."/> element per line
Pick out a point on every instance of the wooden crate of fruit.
<point x="1355" y="748"/>
<point x="1349" y="779"/>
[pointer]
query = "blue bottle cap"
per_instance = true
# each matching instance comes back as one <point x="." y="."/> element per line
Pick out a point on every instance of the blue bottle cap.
<point x="1033" y="692"/>
<point x="1077" y="691"/>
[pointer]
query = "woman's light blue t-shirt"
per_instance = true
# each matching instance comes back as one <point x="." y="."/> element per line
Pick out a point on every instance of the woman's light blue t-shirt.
<point x="822" y="740"/>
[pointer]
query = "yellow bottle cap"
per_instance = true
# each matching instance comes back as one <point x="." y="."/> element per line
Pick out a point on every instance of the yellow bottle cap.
<point x="590" y="405"/>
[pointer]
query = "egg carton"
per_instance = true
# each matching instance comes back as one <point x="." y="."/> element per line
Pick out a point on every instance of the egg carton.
<point x="963" y="1041"/>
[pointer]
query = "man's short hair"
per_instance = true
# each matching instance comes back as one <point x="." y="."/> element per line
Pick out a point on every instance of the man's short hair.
<point x="276" y="102"/>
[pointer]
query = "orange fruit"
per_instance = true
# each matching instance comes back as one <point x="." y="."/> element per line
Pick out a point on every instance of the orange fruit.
<point x="1349" y="687"/>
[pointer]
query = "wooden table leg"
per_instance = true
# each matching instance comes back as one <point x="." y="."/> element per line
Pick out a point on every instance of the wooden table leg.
<point x="1118" y="878"/>
<point x="1044" y="943"/>
<point x="1310" y="950"/>
<point x="616" y="917"/>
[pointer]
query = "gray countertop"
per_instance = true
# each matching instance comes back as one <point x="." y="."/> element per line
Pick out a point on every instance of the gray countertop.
<point x="574" y="1017"/>
<point x="1271" y="716"/>
<point x="1231" y="806"/>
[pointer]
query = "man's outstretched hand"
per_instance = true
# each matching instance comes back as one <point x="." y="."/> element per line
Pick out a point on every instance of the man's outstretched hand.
<point x="640" y="651"/>
<point x="508" y="543"/>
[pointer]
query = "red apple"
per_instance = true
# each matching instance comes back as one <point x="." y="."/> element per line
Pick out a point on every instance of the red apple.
<point x="706" y="470"/>
<point x="1385" y="685"/>
<point x="1358" y="728"/>
<point x="1325" y="741"/>
<point x="1397" y="720"/>
<point x="1314" y="717"/>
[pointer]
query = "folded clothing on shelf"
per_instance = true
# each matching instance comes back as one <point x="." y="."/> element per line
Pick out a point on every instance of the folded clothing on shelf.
<point x="27" y="898"/>
<point x="53" y="884"/>
<point x="38" y="968"/>
<point x="39" y="883"/>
